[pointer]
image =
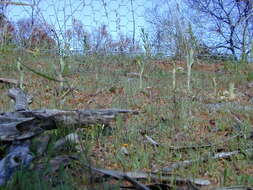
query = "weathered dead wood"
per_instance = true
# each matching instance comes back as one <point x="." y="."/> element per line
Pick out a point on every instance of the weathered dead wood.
<point x="135" y="183"/>
<point x="25" y="123"/>
<point x="41" y="144"/>
<point x="78" y="117"/>
<point x="228" y="106"/>
<point x="119" y="176"/>
<point x="70" y="138"/>
<point x="187" y="163"/>
<point x="28" y="123"/>
<point x="179" y="148"/>
<point x="22" y="124"/>
<point x="18" y="155"/>
<point x="17" y="128"/>
<point x="149" y="177"/>
<point x="152" y="141"/>
<point x="21" y="98"/>
<point x="9" y="81"/>
<point x="235" y="188"/>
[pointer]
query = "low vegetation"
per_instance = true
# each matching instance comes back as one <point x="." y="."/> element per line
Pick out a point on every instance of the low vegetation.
<point x="190" y="79"/>
<point x="186" y="125"/>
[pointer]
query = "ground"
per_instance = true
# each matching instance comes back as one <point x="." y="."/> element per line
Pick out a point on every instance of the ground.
<point x="174" y="118"/>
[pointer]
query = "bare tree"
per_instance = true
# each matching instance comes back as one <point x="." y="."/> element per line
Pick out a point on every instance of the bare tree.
<point x="172" y="31"/>
<point x="168" y="28"/>
<point x="229" y="21"/>
<point x="34" y="35"/>
<point x="80" y="35"/>
<point x="3" y="6"/>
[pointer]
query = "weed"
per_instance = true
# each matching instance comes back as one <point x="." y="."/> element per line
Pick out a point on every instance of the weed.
<point x="168" y="114"/>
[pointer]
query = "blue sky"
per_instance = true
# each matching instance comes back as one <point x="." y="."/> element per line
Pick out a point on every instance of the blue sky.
<point x="116" y="14"/>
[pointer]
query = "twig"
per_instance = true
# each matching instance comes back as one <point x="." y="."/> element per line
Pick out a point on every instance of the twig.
<point x="187" y="163"/>
<point x="133" y="176"/>
<point x="135" y="183"/>
<point x="204" y="145"/>
<point x="9" y="81"/>
<point x="153" y="142"/>
<point x="240" y="187"/>
<point x="15" y="3"/>
<point x="21" y="99"/>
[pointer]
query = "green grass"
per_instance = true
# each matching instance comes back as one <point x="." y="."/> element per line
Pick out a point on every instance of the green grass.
<point x="172" y="118"/>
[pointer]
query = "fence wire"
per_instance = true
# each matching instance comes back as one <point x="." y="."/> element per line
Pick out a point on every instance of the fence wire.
<point x="120" y="21"/>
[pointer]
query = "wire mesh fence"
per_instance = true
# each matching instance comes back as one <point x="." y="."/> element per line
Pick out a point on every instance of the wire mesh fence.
<point x="77" y="26"/>
<point x="102" y="26"/>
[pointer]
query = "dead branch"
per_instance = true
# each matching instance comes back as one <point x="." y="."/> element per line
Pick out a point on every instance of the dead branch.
<point x="18" y="155"/>
<point x="228" y="106"/>
<point x="133" y="176"/>
<point x="16" y="128"/>
<point x="9" y="81"/>
<point x="187" y="163"/>
<point x="24" y="123"/>
<point x="21" y="98"/>
<point x="235" y="188"/>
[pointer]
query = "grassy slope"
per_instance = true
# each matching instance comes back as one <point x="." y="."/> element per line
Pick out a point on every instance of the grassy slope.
<point x="172" y="118"/>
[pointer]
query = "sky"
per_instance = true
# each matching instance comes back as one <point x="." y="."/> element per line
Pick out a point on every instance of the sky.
<point x="116" y="14"/>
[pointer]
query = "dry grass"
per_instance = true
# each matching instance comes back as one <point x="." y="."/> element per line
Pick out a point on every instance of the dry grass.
<point x="172" y="118"/>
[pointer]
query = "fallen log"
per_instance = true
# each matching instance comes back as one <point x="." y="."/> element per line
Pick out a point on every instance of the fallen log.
<point x="18" y="156"/>
<point x="28" y="123"/>
<point x="24" y="123"/>
<point x="9" y="81"/>
<point x="19" y="126"/>
<point x="21" y="98"/>
<point x="217" y="156"/>
<point x="118" y="175"/>
<point x="227" y="107"/>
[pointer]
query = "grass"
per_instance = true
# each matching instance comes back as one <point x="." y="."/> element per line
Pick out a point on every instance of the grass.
<point x="171" y="117"/>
